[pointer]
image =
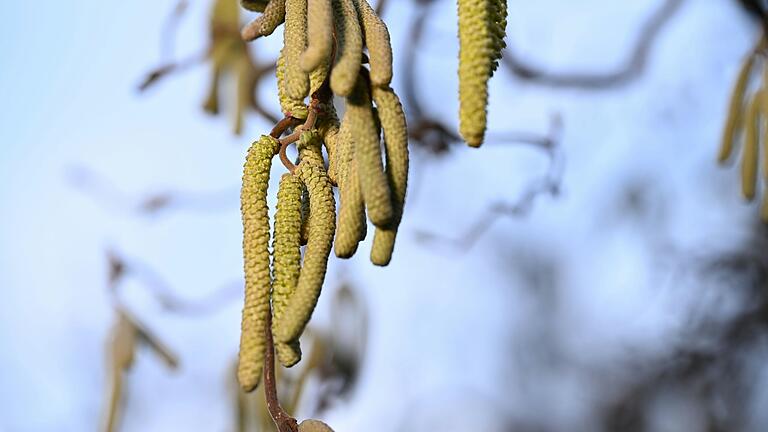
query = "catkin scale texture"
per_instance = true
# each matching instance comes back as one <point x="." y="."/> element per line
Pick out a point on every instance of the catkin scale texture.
<point x="349" y="40"/>
<point x="255" y="216"/>
<point x="295" y="41"/>
<point x="286" y="261"/>
<point x="477" y="48"/>
<point x="322" y="223"/>
<point x="320" y="36"/>
<point x="367" y="147"/>
<point x="352" y="225"/>
<point x="290" y="106"/>
<point x="395" y="130"/>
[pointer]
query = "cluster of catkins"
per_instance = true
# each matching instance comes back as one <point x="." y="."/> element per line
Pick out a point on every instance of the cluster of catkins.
<point x="322" y="56"/>
<point x="747" y="121"/>
<point x="482" y="28"/>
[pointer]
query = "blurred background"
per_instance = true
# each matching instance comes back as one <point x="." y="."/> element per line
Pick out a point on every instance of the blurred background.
<point x="591" y="268"/>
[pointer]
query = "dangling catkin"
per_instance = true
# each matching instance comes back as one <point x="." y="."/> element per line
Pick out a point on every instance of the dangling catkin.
<point x="396" y="144"/>
<point x="286" y="261"/>
<point x="477" y="48"/>
<point x="266" y="23"/>
<point x="309" y="149"/>
<point x="735" y="109"/>
<point x="377" y="40"/>
<point x="362" y="125"/>
<point x="350" y="47"/>
<point x="295" y="41"/>
<point x="255" y="214"/>
<point x="319" y="34"/>
<point x="290" y="106"/>
<point x="322" y="222"/>
<point x="352" y="225"/>
<point x="749" y="162"/>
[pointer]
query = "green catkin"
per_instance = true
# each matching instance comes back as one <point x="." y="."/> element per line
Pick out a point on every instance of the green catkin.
<point x="322" y="223"/>
<point x="255" y="215"/>
<point x="290" y="106"/>
<point x="286" y="261"/>
<point x="749" y="162"/>
<point x="267" y="22"/>
<point x="396" y="144"/>
<point x="294" y="43"/>
<point x="318" y="75"/>
<point x="477" y="48"/>
<point x="350" y="47"/>
<point x="735" y="109"/>
<point x="314" y="426"/>
<point x="362" y="125"/>
<point x="376" y="37"/>
<point x="319" y="34"/>
<point x="352" y="225"/>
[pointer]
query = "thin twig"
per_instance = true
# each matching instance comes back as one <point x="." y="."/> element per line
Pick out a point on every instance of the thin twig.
<point x="283" y="421"/>
<point x="633" y="68"/>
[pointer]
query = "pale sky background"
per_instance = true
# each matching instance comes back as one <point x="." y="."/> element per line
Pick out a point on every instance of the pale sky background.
<point x="443" y="324"/>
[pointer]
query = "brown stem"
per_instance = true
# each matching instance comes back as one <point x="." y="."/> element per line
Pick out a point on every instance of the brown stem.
<point x="312" y="113"/>
<point x="283" y="421"/>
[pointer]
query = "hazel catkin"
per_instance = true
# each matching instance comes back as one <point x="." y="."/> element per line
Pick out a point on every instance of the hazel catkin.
<point x="319" y="34"/>
<point x="396" y="145"/>
<point x="362" y="125"/>
<point x="286" y="261"/>
<point x="322" y="223"/>
<point x="349" y="39"/>
<point x="735" y="110"/>
<point x="295" y="41"/>
<point x="376" y="37"/>
<point x="266" y="23"/>
<point x="311" y="425"/>
<point x="749" y="162"/>
<point x="255" y="216"/>
<point x="352" y="224"/>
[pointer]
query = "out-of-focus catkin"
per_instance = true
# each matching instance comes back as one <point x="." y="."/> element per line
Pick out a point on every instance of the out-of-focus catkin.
<point x="749" y="163"/>
<point x="396" y="145"/>
<point x="735" y="109"/>
<point x="255" y="216"/>
<point x="286" y="261"/>
<point x="266" y="23"/>
<point x="377" y="40"/>
<point x="314" y="426"/>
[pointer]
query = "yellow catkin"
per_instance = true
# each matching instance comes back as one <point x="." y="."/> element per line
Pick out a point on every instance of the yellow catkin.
<point x="267" y="22"/>
<point x="377" y="40"/>
<point x="396" y="144"/>
<point x="294" y="43"/>
<point x="735" y="110"/>
<point x="352" y="225"/>
<point x="318" y="75"/>
<point x="314" y="426"/>
<point x="286" y="261"/>
<point x="320" y="34"/>
<point x="350" y="47"/>
<point x="749" y="162"/>
<point x="764" y="209"/>
<point x="255" y="215"/>
<point x="290" y="106"/>
<point x="362" y="125"/>
<point x="322" y="223"/>
<point x="477" y="48"/>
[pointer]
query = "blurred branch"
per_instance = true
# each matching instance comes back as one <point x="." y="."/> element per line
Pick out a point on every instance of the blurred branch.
<point x="548" y="184"/>
<point x="633" y="68"/>
<point x="121" y="268"/>
<point x="109" y="195"/>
